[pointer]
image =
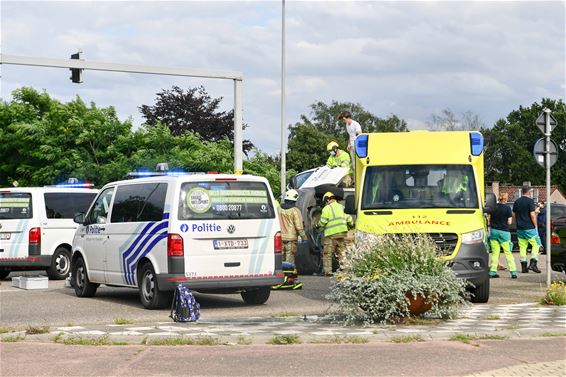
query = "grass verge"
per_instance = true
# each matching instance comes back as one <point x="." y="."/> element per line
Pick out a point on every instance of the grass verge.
<point x="123" y="321"/>
<point x="549" y="334"/>
<point x="12" y="339"/>
<point x="33" y="330"/>
<point x="83" y="341"/>
<point x="284" y="339"/>
<point x="407" y="339"/>
<point x="178" y="341"/>
<point x="470" y="339"/>
<point x="341" y="339"/>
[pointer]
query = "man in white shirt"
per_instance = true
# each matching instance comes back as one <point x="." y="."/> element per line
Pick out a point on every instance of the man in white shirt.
<point x="354" y="129"/>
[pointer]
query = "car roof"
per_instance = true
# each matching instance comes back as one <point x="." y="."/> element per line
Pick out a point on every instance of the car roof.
<point x="47" y="189"/>
<point x="191" y="178"/>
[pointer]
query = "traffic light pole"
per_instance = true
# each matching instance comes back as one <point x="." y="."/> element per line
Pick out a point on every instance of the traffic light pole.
<point x="152" y="70"/>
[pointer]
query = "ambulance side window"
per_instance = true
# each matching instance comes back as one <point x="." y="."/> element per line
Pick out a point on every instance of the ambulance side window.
<point x="99" y="211"/>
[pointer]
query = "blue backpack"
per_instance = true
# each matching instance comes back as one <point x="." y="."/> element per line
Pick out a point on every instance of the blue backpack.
<point x="184" y="307"/>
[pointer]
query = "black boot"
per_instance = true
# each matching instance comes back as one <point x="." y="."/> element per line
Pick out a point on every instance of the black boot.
<point x="524" y="268"/>
<point x="533" y="266"/>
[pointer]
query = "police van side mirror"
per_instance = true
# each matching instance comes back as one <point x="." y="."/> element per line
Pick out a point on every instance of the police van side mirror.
<point x="350" y="207"/>
<point x="79" y="218"/>
<point x="490" y="203"/>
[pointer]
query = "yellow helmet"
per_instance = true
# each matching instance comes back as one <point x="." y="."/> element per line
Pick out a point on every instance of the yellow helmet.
<point x="331" y="145"/>
<point x="328" y="195"/>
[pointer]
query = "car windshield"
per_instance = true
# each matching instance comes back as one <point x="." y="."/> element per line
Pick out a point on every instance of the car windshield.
<point x="419" y="186"/>
<point x="225" y="200"/>
<point x="15" y="205"/>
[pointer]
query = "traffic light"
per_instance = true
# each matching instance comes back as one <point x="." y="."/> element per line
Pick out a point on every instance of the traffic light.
<point x="76" y="73"/>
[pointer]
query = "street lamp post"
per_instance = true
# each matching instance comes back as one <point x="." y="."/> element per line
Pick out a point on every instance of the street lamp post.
<point x="283" y="133"/>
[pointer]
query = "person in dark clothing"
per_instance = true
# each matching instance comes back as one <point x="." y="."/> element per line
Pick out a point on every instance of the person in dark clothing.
<point x="526" y="220"/>
<point x="500" y="237"/>
<point x="541" y="223"/>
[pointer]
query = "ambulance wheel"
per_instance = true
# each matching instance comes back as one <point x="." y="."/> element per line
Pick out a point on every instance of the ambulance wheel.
<point x="81" y="283"/>
<point x="4" y="274"/>
<point x="480" y="294"/>
<point x="60" y="264"/>
<point x="150" y="295"/>
<point x="256" y="296"/>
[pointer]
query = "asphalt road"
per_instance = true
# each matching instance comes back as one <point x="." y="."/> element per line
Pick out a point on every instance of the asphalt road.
<point x="58" y="306"/>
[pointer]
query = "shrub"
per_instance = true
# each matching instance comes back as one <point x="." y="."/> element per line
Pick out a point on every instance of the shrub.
<point x="379" y="275"/>
<point x="555" y="294"/>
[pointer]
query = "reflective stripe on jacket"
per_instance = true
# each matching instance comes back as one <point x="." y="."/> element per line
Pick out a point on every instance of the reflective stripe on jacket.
<point x="340" y="161"/>
<point x="291" y="224"/>
<point x="334" y="220"/>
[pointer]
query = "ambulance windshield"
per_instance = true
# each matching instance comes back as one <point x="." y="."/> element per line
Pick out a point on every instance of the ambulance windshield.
<point x="225" y="200"/>
<point x="419" y="186"/>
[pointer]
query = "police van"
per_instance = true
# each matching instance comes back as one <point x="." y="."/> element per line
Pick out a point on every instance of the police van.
<point x="212" y="233"/>
<point x="37" y="228"/>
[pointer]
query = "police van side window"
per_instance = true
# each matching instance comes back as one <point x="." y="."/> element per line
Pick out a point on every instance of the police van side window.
<point x="59" y="205"/>
<point x="99" y="211"/>
<point x="15" y="205"/>
<point x="139" y="202"/>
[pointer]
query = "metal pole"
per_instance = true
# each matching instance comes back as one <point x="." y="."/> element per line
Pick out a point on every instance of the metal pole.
<point x="238" y="169"/>
<point x="548" y="205"/>
<point x="283" y="133"/>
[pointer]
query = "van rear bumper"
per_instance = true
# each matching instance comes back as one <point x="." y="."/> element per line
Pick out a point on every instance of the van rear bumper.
<point x="463" y="263"/>
<point x="168" y="282"/>
<point x="26" y="262"/>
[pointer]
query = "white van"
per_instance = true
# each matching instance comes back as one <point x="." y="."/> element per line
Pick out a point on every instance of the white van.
<point x="37" y="228"/>
<point x="212" y="233"/>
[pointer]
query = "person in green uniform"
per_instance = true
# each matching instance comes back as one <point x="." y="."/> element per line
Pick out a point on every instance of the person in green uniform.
<point x="500" y="237"/>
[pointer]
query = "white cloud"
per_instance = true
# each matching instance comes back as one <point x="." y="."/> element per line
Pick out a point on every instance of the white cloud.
<point x="411" y="59"/>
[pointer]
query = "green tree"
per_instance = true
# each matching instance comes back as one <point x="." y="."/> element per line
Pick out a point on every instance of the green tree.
<point x="192" y="110"/>
<point x="509" y="146"/>
<point x="309" y="137"/>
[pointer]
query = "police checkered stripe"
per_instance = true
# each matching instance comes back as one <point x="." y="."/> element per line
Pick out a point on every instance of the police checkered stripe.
<point x="151" y="234"/>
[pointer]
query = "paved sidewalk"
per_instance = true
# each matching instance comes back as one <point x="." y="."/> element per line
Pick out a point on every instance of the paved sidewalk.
<point x="517" y="320"/>
<point x="547" y="369"/>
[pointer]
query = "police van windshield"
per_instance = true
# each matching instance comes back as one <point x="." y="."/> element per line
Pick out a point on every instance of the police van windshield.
<point x="15" y="205"/>
<point x="419" y="186"/>
<point x="225" y="200"/>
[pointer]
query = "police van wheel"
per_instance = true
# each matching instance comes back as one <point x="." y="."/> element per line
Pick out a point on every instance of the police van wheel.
<point x="480" y="294"/>
<point x="81" y="283"/>
<point x="4" y="274"/>
<point x="60" y="264"/>
<point x="150" y="295"/>
<point x="256" y="296"/>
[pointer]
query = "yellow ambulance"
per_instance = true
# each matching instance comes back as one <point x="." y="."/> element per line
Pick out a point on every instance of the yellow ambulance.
<point x="424" y="182"/>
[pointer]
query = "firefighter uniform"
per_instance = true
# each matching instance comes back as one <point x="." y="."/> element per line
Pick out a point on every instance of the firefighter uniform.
<point x="291" y="222"/>
<point x="335" y="223"/>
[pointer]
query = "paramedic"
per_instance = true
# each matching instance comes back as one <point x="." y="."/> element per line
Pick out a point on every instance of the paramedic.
<point x="335" y="223"/>
<point x="500" y="237"/>
<point x="524" y="212"/>
<point x="339" y="159"/>
<point x="291" y="225"/>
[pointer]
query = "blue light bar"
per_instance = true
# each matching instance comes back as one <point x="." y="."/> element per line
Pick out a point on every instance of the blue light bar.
<point x="476" y="143"/>
<point x="75" y="185"/>
<point x="362" y="146"/>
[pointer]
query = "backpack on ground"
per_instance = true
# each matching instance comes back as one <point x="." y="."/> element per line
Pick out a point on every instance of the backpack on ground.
<point x="184" y="307"/>
<point x="290" y="278"/>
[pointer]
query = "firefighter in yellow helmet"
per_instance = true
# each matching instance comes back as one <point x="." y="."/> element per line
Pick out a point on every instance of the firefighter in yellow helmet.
<point x="338" y="157"/>
<point x="291" y="225"/>
<point x="336" y="224"/>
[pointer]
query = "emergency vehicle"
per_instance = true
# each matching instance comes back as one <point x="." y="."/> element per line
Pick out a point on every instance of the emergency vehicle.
<point x="432" y="183"/>
<point x="213" y="233"/>
<point x="37" y="228"/>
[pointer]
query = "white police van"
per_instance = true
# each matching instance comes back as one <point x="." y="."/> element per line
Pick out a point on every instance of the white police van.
<point x="37" y="228"/>
<point x="210" y="232"/>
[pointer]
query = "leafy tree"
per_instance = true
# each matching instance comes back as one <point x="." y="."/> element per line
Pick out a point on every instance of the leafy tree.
<point x="309" y="137"/>
<point x="193" y="110"/>
<point x="448" y="121"/>
<point x="509" y="146"/>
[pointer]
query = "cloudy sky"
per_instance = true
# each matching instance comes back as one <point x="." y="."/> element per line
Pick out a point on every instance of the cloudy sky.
<point x="409" y="58"/>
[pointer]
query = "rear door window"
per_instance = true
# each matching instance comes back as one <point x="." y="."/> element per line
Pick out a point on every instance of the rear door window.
<point x="65" y="205"/>
<point x="15" y="205"/>
<point x="139" y="202"/>
<point x="225" y="200"/>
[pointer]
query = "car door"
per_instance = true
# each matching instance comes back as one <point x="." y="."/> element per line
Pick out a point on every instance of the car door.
<point x="94" y="237"/>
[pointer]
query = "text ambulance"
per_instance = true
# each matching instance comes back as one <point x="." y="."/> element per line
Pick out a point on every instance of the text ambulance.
<point x="427" y="183"/>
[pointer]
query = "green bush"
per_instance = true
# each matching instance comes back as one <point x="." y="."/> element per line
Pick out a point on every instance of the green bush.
<point x="379" y="275"/>
<point x="555" y="294"/>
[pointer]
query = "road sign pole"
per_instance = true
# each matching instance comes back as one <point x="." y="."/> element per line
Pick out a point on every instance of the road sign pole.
<point x="547" y="131"/>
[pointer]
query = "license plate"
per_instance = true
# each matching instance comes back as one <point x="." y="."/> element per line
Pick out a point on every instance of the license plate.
<point x="230" y="244"/>
<point x="5" y="236"/>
